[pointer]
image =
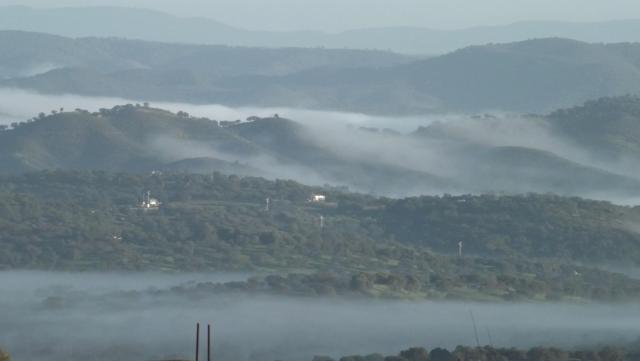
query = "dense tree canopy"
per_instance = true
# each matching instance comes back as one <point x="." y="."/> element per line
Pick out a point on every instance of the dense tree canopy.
<point x="513" y="246"/>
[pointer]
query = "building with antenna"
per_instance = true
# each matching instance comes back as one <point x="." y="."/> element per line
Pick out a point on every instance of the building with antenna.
<point x="149" y="203"/>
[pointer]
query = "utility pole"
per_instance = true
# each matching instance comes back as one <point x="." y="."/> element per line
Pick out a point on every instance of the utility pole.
<point x="460" y="249"/>
<point x="208" y="342"/>
<point x="267" y="205"/>
<point x="198" y="341"/>
<point x="321" y="222"/>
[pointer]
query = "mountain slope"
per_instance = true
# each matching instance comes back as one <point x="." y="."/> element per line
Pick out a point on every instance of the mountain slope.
<point x="531" y="76"/>
<point x="608" y="127"/>
<point x="125" y="138"/>
<point x="27" y="53"/>
<point x="141" y="139"/>
<point x="135" y="138"/>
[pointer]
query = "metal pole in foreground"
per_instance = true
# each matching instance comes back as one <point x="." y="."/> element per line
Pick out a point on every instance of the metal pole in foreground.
<point x="197" y="341"/>
<point x="208" y="342"/>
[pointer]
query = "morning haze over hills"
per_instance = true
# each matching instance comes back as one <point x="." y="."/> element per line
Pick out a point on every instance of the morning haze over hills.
<point x="535" y="76"/>
<point x="151" y="25"/>
<point x="382" y="192"/>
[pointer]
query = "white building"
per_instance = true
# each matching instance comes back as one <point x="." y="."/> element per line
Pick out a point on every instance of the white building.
<point x="317" y="198"/>
<point x="150" y="203"/>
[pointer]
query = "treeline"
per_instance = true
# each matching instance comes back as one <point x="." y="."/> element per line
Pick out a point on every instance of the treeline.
<point x="447" y="279"/>
<point x="489" y="353"/>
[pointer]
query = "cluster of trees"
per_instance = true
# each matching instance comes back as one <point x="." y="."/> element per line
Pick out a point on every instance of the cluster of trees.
<point x="102" y="111"/>
<point x="41" y="115"/>
<point x="489" y="353"/>
<point x="4" y="356"/>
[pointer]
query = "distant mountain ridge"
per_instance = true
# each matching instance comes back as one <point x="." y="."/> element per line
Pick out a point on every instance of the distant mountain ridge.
<point x="27" y="54"/>
<point x="534" y="76"/>
<point x="152" y="25"/>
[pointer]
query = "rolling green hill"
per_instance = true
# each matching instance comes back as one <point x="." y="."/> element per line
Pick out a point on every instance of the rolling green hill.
<point x="119" y="139"/>
<point x="137" y="138"/>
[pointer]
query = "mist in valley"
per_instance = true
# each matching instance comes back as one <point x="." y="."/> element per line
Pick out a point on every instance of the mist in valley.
<point x="66" y="316"/>
<point x="445" y="153"/>
<point x="113" y="205"/>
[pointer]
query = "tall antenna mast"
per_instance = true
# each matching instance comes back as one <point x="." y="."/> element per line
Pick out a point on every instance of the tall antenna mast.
<point x="475" y="328"/>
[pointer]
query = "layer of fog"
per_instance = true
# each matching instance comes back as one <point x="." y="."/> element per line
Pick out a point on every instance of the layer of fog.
<point x="269" y="328"/>
<point x="346" y="135"/>
<point x="27" y="70"/>
<point x="445" y="155"/>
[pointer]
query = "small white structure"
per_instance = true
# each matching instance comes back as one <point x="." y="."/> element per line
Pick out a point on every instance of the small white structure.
<point x="150" y="203"/>
<point x="317" y="198"/>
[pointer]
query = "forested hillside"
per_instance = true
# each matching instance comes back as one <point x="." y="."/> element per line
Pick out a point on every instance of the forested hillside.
<point x="608" y="127"/>
<point x="93" y="221"/>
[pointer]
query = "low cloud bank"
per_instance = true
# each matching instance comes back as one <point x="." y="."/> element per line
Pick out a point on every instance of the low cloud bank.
<point x="452" y="153"/>
<point x="64" y="316"/>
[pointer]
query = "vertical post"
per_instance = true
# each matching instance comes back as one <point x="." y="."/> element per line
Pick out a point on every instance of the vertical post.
<point x="197" y="341"/>
<point x="208" y="342"/>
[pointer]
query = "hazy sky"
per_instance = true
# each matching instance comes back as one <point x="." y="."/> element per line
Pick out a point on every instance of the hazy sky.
<point x="335" y="15"/>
